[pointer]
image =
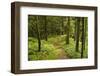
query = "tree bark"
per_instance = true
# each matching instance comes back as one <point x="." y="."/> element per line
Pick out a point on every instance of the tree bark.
<point x="38" y="35"/>
<point x="82" y="49"/>
<point x="77" y="34"/>
<point x="62" y="26"/>
<point x="75" y="29"/>
<point x="85" y="29"/>
<point x="68" y="26"/>
<point x="46" y="38"/>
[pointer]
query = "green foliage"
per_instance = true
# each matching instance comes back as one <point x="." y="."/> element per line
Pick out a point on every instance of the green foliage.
<point x="49" y="50"/>
<point x="56" y="36"/>
<point x="70" y="50"/>
<point x="46" y="53"/>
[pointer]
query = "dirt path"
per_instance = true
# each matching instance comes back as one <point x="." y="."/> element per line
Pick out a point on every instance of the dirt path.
<point x="61" y="54"/>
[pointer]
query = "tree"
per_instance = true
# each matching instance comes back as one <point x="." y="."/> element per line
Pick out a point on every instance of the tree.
<point x="62" y="25"/>
<point x="77" y="33"/>
<point x="85" y="30"/>
<point x="45" y="18"/>
<point x="75" y="29"/>
<point x="83" y="40"/>
<point x="68" y="26"/>
<point x="38" y="35"/>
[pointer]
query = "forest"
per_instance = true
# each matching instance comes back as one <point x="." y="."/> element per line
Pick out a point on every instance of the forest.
<point x="57" y="37"/>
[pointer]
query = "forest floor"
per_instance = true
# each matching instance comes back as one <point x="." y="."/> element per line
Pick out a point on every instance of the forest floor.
<point x="54" y="48"/>
<point x="60" y="51"/>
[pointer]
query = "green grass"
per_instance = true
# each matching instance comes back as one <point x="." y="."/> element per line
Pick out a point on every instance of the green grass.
<point x="47" y="50"/>
<point x="51" y="49"/>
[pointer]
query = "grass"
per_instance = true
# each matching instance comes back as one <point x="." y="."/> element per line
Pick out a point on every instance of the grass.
<point x="54" y="48"/>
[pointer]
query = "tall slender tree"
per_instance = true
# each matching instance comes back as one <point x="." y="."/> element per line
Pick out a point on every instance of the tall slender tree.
<point x="62" y="25"/>
<point x="85" y="30"/>
<point x="75" y="24"/>
<point x="45" y="18"/>
<point x="77" y="34"/>
<point x="38" y="34"/>
<point x="82" y="49"/>
<point x="68" y="26"/>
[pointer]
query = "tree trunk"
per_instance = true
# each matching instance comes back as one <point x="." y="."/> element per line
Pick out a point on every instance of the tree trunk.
<point x="38" y="35"/>
<point x="85" y="30"/>
<point x="62" y="26"/>
<point x="82" y="49"/>
<point x="77" y="34"/>
<point x="68" y="26"/>
<point x="45" y="28"/>
<point x="75" y="29"/>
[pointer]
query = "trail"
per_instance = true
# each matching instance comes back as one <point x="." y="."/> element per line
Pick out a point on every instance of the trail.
<point x="60" y="51"/>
